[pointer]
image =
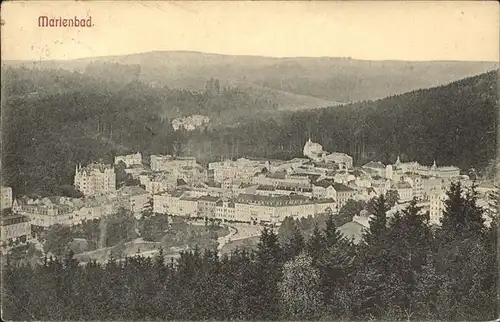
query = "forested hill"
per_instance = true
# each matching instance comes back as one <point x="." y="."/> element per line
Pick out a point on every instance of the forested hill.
<point x="335" y="79"/>
<point x="453" y="124"/>
<point x="53" y="120"/>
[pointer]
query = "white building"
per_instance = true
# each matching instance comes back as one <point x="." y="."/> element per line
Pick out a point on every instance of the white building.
<point x="225" y="210"/>
<point x="6" y="197"/>
<point x="344" y="161"/>
<point x="338" y="192"/>
<point x="95" y="179"/>
<point x="313" y="150"/>
<point x="404" y="190"/>
<point x="177" y="203"/>
<point x="416" y="182"/>
<point x="15" y="230"/>
<point x="170" y="163"/>
<point x="157" y="182"/>
<point x="436" y="206"/>
<point x="130" y="159"/>
<point x="242" y="169"/>
<point x="137" y="198"/>
<point x="376" y="167"/>
<point x="274" y="209"/>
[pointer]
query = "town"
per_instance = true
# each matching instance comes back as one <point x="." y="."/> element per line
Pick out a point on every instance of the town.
<point x="246" y="192"/>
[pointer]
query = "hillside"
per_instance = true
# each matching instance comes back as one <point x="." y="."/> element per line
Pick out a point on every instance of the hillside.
<point x="53" y="119"/>
<point x="332" y="79"/>
<point x="452" y="124"/>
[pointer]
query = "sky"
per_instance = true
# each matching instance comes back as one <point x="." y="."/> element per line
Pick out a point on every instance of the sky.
<point x="421" y="30"/>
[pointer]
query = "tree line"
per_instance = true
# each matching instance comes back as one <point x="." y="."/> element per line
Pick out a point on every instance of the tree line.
<point x="402" y="269"/>
<point x="453" y="124"/>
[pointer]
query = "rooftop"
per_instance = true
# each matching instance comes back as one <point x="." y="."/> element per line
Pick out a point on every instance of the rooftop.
<point x="374" y="165"/>
<point x="13" y="218"/>
<point x="273" y="201"/>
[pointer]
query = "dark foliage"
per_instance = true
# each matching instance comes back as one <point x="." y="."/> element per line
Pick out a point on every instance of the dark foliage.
<point x="401" y="271"/>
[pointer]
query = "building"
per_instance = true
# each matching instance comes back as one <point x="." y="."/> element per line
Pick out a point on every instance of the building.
<point x="376" y="167"/>
<point x="169" y="163"/>
<point x="130" y="159"/>
<point x="430" y="184"/>
<point x="280" y="178"/>
<point x="135" y="170"/>
<point x="436" y="206"/>
<point x="242" y="170"/>
<point x="286" y="166"/>
<point x="343" y="160"/>
<point x="313" y="151"/>
<point x="137" y="198"/>
<point x="339" y="192"/>
<point x="47" y="211"/>
<point x="176" y="203"/>
<point x="190" y="174"/>
<point x="417" y="185"/>
<point x="95" y="179"/>
<point x="404" y="189"/>
<point x="207" y="206"/>
<point x="274" y="209"/>
<point x="15" y="230"/>
<point x="157" y="182"/>
<point x="6" y="198"/>
<point x="225" y="210"/>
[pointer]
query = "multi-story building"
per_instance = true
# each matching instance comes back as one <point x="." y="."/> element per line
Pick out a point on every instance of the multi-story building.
<point x="46" y="212"/>
<point x="280" y="178"/>
<point x="436" y="206"/>
<point x="136" y="197"/>
<point x="225" y="210"/>
<point x="339" y="192"/>
<point x="188" y="206"/>
<point x="157" y="182"/>
<point x="95" y="179"/>
<point x="342" y="160"/>
<point x="6" y="197"/>
<point x="286" y="166"/>
<point x="284" y="190"/>
<point x="130" y="159"/>
<point x="417" y="185"/>
<point x="169" y="163"/>
<point x="404" y="189"/>
<point x="177" y="203"/>
<point x="15" y="230"/>
<point x="242" y="170"/>
<point x="135" y="170"/>
<point x="167" y="202"/>
<point x="445" y="172"/>
<point x="190" y="174"/>
<point x="207" y="206"/>
<point x="376" y="167"/>
<point x="274" y="209"/>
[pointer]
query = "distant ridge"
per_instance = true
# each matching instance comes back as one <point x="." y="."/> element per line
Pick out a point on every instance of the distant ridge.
<point x="337" y="79"/>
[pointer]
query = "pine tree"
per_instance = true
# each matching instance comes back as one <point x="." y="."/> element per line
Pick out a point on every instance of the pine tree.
<point x="463" y="257"/>
<point x="268" y="270"/>
<point x="300" y="289"/>
<point x="370" y="281"/>
<point x="316" y="245"/>
<point x="411" y="239"/>
<point x="295" y="244"/>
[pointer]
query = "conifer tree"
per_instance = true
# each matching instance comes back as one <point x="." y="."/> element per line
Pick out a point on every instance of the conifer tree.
<point x="300" y="289"/>
<point x="295" y="244"/>
<point x="316" y="245"/>
<point x="269" y="262"/>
